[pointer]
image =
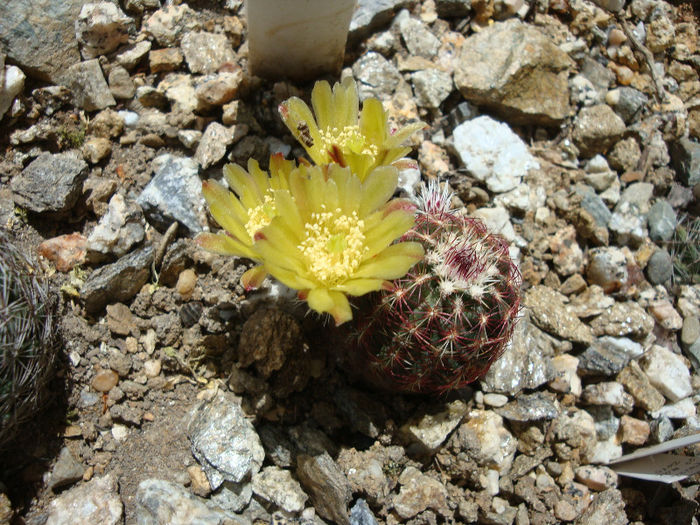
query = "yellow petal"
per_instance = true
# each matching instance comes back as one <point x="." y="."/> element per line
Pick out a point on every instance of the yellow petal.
<point x="225" y="209"/>
<point x="360" y="164"/>
<point x="347" y="103"/>
<point x="349" y="190"/>
<point x="300" y="121"/>
<point x="378" y="188"/>
<point x="287" y="209"/>
<point x="254" y="277"/>
<point x="288" y="277"/>
<point x="373" y="121"/>
<point x="392" y="262"/>
<point x="403" y="134"/>
<point x="359" y="287"/>
<point x="334" y="303"/>
<point x="224" y="245"/>
<point x="322" y="102"/>
<point x="240" y="181"/>
<point x="390" y="228"/>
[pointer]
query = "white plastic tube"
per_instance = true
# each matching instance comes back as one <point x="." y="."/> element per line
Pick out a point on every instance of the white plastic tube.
<point x="297" y="39"/>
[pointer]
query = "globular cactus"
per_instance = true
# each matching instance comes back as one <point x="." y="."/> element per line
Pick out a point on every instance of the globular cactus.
<point x="27" y="338"/>
<point x="443" y="324"/>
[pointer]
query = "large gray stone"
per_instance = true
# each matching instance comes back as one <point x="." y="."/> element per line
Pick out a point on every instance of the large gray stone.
<point x="39" y="36"/>
<point x="685" y="155"/>
<point x="51" y="183"/>
<point x="516" y="70"/>
<point x="328" y="487"/>
<point x="101" y="28"/>
<point x="376" y="76"/>
<point x="596" y="128"/>
<point x="370" y="15"/>
<point x="89" y="87"/>
<point x="224" y="440"/>
<point x="174" y="194"/>
<point x="117" y="282"/>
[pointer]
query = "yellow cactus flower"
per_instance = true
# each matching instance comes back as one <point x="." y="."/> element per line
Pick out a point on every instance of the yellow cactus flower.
<point x="340" y="133"/>
<point x="332" y="236"/>
<point x="245" y="211"/>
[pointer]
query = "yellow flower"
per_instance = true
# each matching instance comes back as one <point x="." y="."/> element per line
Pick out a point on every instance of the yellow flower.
<point x="245" y="211"/>
<point x="332" y="235"/>
<point x="342" y="134"/>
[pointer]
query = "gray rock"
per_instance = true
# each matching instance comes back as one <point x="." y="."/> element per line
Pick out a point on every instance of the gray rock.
<point x="660" y="267"/>
<point x="430" y="430"/>
<point x="637" y="383"/>
<point x="160" y="502"/>
<point x="627" y="102"/>
<point x="662" y="221"/>
<point x="66" y="471"/>
<point x="376" y="76"/>
<point x="492" y="153"/>
<point x="278" y="447"/>
<point x="277" y="486"/>
<point x="525" y="364"/>
<point x="515" y="69"/>
<point x="431" y="87"/>
<point x="661" y="430"/>
<point x="40" y="36"/>
<point x="224" y="441"/>
<point x="548" y="312"/>
<point x="574" y="428"/>
<point x="232" y="497"/>
<point x="453" y="8"/>
<point x="606" y="423"/>
<point x="596" y="128"/>
<point x="169" y="24"/>
<point x="416" y="36"/>
<point x="607" y="356"/>
<point x="96" y="501"/>
<point x="607" y="507"/>
<point x="100" y="28"/>
<point x="361" y="412"/>
<point x="685" y="154"/>
<point x="214" y="142"/>
<point x="625" y="155"/>
<point x="610" y="393"/>
<point x="361" y="514"/>
<point x="174" y="194"/>
<point x="327" y="485"/>
<point x="599" y="75"/>
<point x="117" y="282"/>
<point x="11" y="85"/>
<point x="119" y="229"/>
<point x="611" y="5"/>
<point x="636" y="198"/>
<point x="693" y="354"/>
<point x="206" y="52"/>
<point x="369" y="15"/>
<point x="623" y="319"/>
<point x="120" y="83"/>
<point x="531" y="407"/>
<point x="50" y="183"/>
<point x="88" y="84"/>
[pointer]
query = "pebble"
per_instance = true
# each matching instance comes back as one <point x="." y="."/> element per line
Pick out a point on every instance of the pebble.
<point x="662" y="221"/>
<point x="432" y="429"/>
<point x="10" y="86"/>
<point x="431" y="87"/>
<point x="634" y="431"/>
<point x="607" y="267"/>
<point x="485" y="439"/>
<point x="120" y="432"/>
<point x="65" y="251"/>
<point x="152" y="367"/>
<point x="161" y="502"/>
<point x="667" y="372"/>
<point x="198" y="481"/>
<point x="206" y="52"/>
<point x="66" y="471"/>
<point x="219" y="89"/>
<point x="186" y="282"/>
<point x="608" y="356"/>
<point x="418" y="493"/>
<point x="105" y="380"/>
<point x="376" y="76"/>
<point x="495" y="400"/>
<point x="95" y="149"/>
<point x="690" y="331"/>
<point x="88" y="85"/>
<point x="626" y="102"/>
<point x="565" y="380"/>
<point x="328" y="487"/>
<point x="596" y="128"/>
<point x="661" y="430"/>
<point x="596" y="478"/>
<point x="277" y="486"/>
<point x="549" y="313"/>
<point x="119" y="230"/>
<point x="685" y="155"/>
<point x="215" y="141"/>
<point x="133" y="54"/>
<point x="638" y="385"/>
<point x="531" y="407"/>
<point x="492" y="153"/>
<point x="165" y="60"/>
<point x="416" y="36"/>
<point x="623" y="319"/>
<point x="660" y="267"/>
<point x="608" y="393"/>
<point x="167" y="25"/>
<point x="361" y="514"/>
<point x="100" y="28"/>
<point x="683" y="409"/>
<point x="666" y="316"/>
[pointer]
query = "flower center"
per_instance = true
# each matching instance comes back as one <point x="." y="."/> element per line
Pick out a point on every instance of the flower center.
<point x="260" y="216"/>
<point x="333" y="245"/>
<point x="348" y="138"/>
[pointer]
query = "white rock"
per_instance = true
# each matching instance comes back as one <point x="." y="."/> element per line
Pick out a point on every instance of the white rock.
<point x="120" y="432"/>
<point x="100" y="28"/>
<point x="606" y="451"/>
<point x="97" y="501"/>
<point x="119" y="229"/>
<point x="566" y="379"/>
<point x="492" y="153"/>
<point x="431" y="430"/>
<point x="12" y="86"/>
<point x="497" y="220"/>
<point x="485" y="439"/>
<point x="668" y="373"/>
<point x="495" y="400"/>
<point x="596" y="478"/>
<point x="683" y="409"/>
<point x="189" y="137"/>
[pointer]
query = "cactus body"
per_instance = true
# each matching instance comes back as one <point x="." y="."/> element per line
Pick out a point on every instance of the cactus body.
<point x="27" y="338"/>
<point x="442" y="325"/>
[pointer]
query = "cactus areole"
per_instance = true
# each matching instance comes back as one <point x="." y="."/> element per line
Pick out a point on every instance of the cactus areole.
<point x="443" y="324"/>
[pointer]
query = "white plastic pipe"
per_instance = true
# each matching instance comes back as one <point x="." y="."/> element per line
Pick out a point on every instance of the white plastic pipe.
<point x="297" y="39"/>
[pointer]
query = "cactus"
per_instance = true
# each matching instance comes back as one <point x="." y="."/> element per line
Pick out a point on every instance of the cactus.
<point x="443" y="324"/>
<point x="27" y="338"/>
